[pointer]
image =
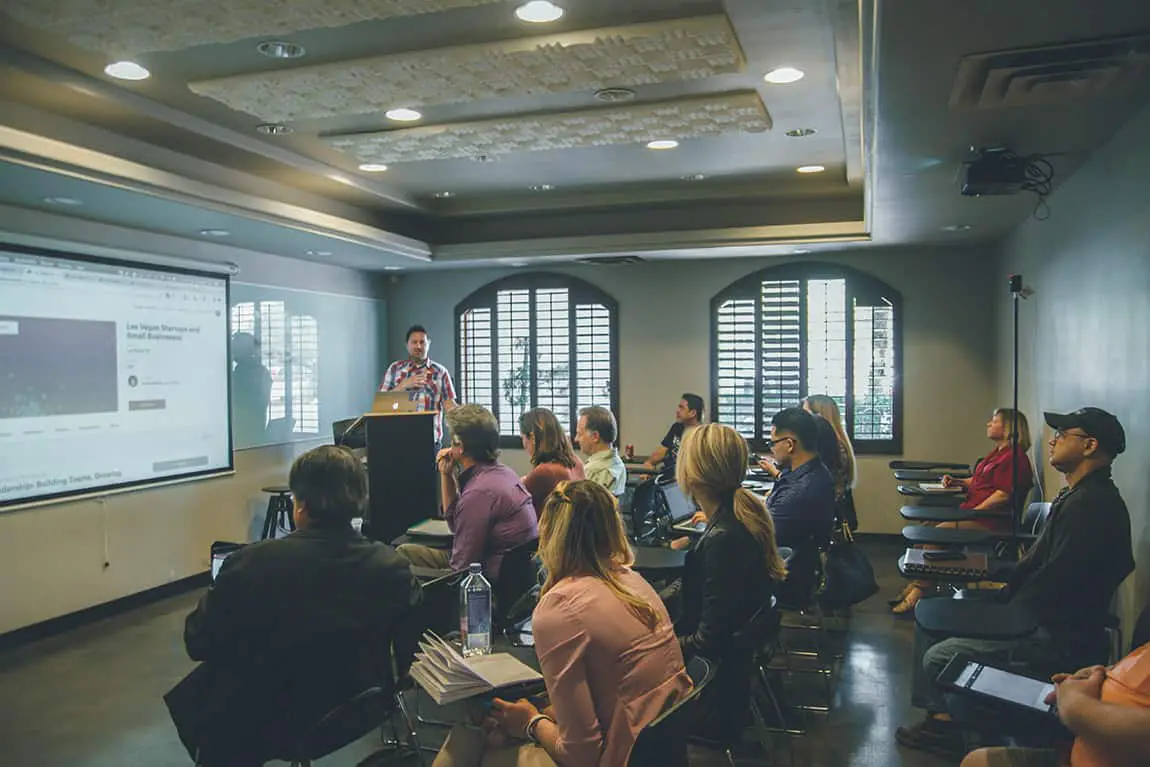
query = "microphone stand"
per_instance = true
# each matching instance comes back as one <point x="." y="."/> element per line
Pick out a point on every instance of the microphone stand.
<point x="1015" y="296"/>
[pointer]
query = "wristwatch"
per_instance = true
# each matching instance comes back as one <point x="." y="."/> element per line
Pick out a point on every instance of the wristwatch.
<point x="533" y="725"/>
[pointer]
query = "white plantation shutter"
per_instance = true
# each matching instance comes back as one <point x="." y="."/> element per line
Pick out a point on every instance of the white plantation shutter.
<point x="784" y="333"/>
<point x="537" y="341"/>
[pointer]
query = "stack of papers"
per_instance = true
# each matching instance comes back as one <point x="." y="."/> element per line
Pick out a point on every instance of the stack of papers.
<point x="447" y="676"/>
<point x="938" y="487"/>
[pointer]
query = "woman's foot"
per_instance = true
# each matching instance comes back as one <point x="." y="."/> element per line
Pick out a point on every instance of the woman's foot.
<point x="901" y="595"/>
<point x="909" y="601"/>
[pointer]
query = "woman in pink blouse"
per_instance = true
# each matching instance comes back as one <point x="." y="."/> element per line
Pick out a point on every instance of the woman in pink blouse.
<point x="606" y="648"/>
<point x="552" y="458"/>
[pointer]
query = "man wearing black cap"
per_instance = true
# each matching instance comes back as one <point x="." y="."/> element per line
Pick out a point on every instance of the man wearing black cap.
<point x="1066" y="580"/>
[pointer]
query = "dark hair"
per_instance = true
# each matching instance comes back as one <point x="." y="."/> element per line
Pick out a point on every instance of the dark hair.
<point x="601" y="421"/>
<point x="827" y="444"/>
<point x="414" y="329"/>
<point x="551" y="442"/>
<point x="477" y="430"/>
<point x="799" y="423"/>
<point x="330" y="483"/>
<point x="694" y="402"/>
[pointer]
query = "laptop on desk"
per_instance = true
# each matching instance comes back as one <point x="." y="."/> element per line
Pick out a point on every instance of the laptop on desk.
<point x="397" y="401"/>
<point x="682" y="509"/>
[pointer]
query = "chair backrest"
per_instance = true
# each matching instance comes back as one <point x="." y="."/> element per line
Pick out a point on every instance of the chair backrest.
<point x="1141" y="633"/>
<point x="650" y="513"/>
<point x="345" y="723"/>
<point x="518" y="574"/>
<point x="663" y="742"/>
<point x="1037" y="515"/>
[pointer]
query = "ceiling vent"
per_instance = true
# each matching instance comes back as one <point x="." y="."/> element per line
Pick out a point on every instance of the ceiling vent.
<point x="610" y="260"/>
<point x="1057" y="74"/>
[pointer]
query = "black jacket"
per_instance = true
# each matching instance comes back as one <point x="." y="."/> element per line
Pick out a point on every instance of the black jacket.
<point x="1068" y="578"/>
<point x="289" y="629"/>
<point x="725" y="582"/>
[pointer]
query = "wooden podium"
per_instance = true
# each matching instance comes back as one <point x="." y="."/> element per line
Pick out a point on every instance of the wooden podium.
<point x="402" y="481"/>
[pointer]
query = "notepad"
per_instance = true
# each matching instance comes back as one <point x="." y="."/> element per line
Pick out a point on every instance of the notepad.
<point x="447" y="676"/>
<point x="971" y="566"/>
<point x="430" y="528"/>
<point x="938" y="487"/>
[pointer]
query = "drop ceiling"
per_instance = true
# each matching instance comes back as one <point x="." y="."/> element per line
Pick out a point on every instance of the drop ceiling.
<point x="532" y="142"/>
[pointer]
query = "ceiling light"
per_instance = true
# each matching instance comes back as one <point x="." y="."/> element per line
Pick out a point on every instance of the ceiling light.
<point x="956" y="228"/>
<point x="801" y="132"/>
<point x="801" y="251"/>
<point x="541" y="187"/>
<point x="784" y="75"/>
<point x="215" y="233"/>
<point x="517" y="263"/>
<point x="404" y="115"/>
<point x="274" y="129"/>
<point x="539" y="12"/>
<point x="127" y="70"/>
<point x="319" y="253"/>
<point x="393" y="268"/>
<point x="277" y="49"/>
<point x="614" y="95"/>
<point x="694" y="177"/>
<point x="70" y="202"/>
<point x="443" y="195"/>
<point x="662" y="144"/>
<point x="373" y="167"/>
<point x="810" y="169"/>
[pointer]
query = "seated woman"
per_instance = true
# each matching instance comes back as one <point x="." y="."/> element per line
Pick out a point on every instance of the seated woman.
<point x="552" y="458"/>
<point x="842" y="463"/>
<point x="730" y="574"/>
<point x="988" y="490"/>
<point x="605" y="643"/>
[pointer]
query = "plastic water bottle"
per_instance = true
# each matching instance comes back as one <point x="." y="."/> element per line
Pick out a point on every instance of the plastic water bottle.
<point x="475" y="612"/>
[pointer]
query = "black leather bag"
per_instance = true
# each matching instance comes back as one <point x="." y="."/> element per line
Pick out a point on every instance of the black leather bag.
<point x="848" y="577"/>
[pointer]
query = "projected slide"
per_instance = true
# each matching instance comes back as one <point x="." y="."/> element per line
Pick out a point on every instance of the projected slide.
<point x="113" y="375"/>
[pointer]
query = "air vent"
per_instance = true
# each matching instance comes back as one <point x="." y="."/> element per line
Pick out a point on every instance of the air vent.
<point x="1057" y="74"/>
<point x="610" y="260"/>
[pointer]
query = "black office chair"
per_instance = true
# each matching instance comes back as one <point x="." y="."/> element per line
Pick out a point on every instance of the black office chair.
<point x="349" y="722"/>
<point x="663" y="742"/>
<point x="518" y="575"/>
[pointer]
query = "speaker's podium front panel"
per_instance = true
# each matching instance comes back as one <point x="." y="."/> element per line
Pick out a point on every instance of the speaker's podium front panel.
<point x="402" y="479"/>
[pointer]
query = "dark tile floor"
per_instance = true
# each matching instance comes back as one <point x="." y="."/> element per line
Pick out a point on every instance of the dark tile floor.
<point x="91" y="698"/>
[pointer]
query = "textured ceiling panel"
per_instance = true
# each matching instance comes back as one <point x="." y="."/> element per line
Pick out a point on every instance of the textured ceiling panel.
<point x="129" y="27"/>
<point x="741" y="112"/>
<point x="638" y="54"/>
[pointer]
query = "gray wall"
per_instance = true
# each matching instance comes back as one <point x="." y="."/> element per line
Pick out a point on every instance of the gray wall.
<point x="1085" y="333"/>
<point x="664" y="331"/>
<point x="52" y="558"/>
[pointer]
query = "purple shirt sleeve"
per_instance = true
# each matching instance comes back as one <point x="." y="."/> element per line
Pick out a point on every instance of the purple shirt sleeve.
<point x="470" y="519"/>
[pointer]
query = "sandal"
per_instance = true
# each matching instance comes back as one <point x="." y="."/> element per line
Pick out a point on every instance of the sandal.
<point x="909" y="601"/>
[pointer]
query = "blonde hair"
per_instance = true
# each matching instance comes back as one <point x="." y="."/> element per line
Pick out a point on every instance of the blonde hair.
<point x="821" y="404"/>
<point x="1010" y="418"/>
<point x="713" y="464"/>
<point x="581" y="533"/>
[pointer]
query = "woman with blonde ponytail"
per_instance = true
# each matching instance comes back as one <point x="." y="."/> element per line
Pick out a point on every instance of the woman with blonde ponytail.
<point x="730" y="574"/>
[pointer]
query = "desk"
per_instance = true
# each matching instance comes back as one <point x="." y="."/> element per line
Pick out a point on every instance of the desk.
<point x="657" y="560"/>
<point x="945" y="536"/>
<point x="927" y="475"/>
<point x="973" y="618"/>
<point x="935" y="514"/>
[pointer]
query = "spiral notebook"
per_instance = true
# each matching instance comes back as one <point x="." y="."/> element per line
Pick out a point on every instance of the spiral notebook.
<point x="447" y="676"/>
<point x="972" y="566"/>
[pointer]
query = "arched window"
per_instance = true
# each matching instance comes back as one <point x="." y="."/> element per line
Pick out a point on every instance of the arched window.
<point x="783" y="333"/>
<point x="538" y="340"/>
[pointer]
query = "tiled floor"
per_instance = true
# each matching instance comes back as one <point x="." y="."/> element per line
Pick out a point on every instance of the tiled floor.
<point x="91" y="698"/>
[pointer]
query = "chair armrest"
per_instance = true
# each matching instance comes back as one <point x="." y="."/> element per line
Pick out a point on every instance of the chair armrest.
<point x="973" y="618"/>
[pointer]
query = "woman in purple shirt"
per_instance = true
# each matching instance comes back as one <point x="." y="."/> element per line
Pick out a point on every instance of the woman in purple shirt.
<point x="606" y="648"/>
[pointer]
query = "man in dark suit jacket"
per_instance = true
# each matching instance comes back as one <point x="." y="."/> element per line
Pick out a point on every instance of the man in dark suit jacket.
<point x="293" y="627"/>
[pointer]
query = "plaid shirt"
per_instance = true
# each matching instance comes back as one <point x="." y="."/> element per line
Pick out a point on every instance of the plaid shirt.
<point x="432" y="396"/>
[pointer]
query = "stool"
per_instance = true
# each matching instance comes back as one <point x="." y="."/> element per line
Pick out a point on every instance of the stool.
<point x="279" y="505"/>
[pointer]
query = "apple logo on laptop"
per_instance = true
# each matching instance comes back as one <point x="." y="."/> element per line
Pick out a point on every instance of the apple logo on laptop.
<point x="395" y="406"/>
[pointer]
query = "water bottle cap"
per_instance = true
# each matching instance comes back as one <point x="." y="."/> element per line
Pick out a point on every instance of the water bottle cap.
<point x="476" y="567"/>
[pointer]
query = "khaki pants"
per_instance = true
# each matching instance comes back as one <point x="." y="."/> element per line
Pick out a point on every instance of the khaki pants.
<point x="425" y="556"/>
<point x="464" y="747"/>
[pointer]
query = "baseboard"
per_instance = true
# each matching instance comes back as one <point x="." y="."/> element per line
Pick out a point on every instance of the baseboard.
<point x="63" y="623"/>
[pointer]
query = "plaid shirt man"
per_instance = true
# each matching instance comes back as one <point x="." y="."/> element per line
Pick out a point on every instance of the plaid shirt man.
<point x="433" y="395"/>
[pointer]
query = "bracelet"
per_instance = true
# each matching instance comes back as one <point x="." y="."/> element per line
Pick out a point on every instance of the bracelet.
<point x="533" y="724"/>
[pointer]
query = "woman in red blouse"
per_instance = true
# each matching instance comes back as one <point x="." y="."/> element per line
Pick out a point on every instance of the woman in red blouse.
<point x="553" y="460"/>
<point x="988" y="489"/>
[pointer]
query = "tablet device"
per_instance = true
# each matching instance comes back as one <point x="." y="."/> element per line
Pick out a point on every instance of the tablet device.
<point x="966" y="676"/>
<point x="221" y="550"/>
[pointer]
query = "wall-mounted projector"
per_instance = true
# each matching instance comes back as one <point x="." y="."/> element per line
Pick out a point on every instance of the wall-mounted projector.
<point x="995" y="172"/>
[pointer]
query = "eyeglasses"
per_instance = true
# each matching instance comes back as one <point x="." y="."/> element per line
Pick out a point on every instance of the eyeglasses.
<point x="772" y="442"/>
<point x="1060" y="435"/>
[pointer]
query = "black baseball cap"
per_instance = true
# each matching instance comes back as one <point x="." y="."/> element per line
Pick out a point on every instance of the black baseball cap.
<point x="1097" y="423"/>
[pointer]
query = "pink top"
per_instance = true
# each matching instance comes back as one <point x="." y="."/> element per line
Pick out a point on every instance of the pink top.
<point x="542" y="479"/>
<point x="607" y="675"/>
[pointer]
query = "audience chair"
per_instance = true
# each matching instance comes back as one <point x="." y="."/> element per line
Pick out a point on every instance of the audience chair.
<point x="345" y="724"/>
<point x="942" y="466"/>
<point x="518" y="575"/>
<point x="663" y="742"/>
<point x="804" y="604"/>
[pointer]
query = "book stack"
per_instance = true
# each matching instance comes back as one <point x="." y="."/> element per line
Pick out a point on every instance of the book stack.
<point x="447" y="676"/>
<point x="971" y="567"/>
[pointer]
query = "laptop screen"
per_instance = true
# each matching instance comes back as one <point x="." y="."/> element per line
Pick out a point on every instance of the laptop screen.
<point x="682" y="508"/>
<point x="221" y="550"/>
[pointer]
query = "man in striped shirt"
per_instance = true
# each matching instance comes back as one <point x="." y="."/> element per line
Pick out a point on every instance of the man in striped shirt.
<point x="427" y="382"/>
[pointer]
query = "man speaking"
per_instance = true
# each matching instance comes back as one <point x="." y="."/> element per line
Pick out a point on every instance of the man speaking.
<point x="425" y="381"/>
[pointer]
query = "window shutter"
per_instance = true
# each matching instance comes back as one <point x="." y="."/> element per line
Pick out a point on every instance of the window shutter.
<point x="514" y="370"/>
<point x="244" y="318"/>
<point x="826" y="347"/>
<point x="553" y="351"/>
<point x="735" y="341"/>
<point x="781" y="345"/>
<point x="874" y="371"/>
<point x="305" y="374"/>
<point x="593" y="355"/>
<point x="273" y="345"/>
<point x="477" y="385"/>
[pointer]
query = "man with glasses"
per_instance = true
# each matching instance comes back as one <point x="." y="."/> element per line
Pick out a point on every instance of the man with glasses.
<point x="1066" y="580"/>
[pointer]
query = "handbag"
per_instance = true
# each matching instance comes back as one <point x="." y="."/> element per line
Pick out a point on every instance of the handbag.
<point x="848" y="577"/>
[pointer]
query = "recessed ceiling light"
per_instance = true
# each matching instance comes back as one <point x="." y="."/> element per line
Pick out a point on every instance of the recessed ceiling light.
<point x="274" y="129"/>
<point x="65" y="201"/>
<point x="539" y="12"/>
<point x="810" y="169"/>
<point x="443" y="195"/>
<point x="319" y="253"/>
<point x="801" y="132"/>
<point x="694" y="177"/>
<point x="541" y="187"/>
<point x="784" y="75"/>
<point x="373" y="167"/>
<point x="215" y="233"/>
<point x="956" y="228"/>
<point x="127" y="70"/>
<point x="615" y="95"/>
<point x="517" y="263"/>
<point x="393" y="268"/>
<point x="662" y="144"/>
<point x="801" y="251"/>
<point x="404" y="115"/>
<point x="277" y="49"/>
